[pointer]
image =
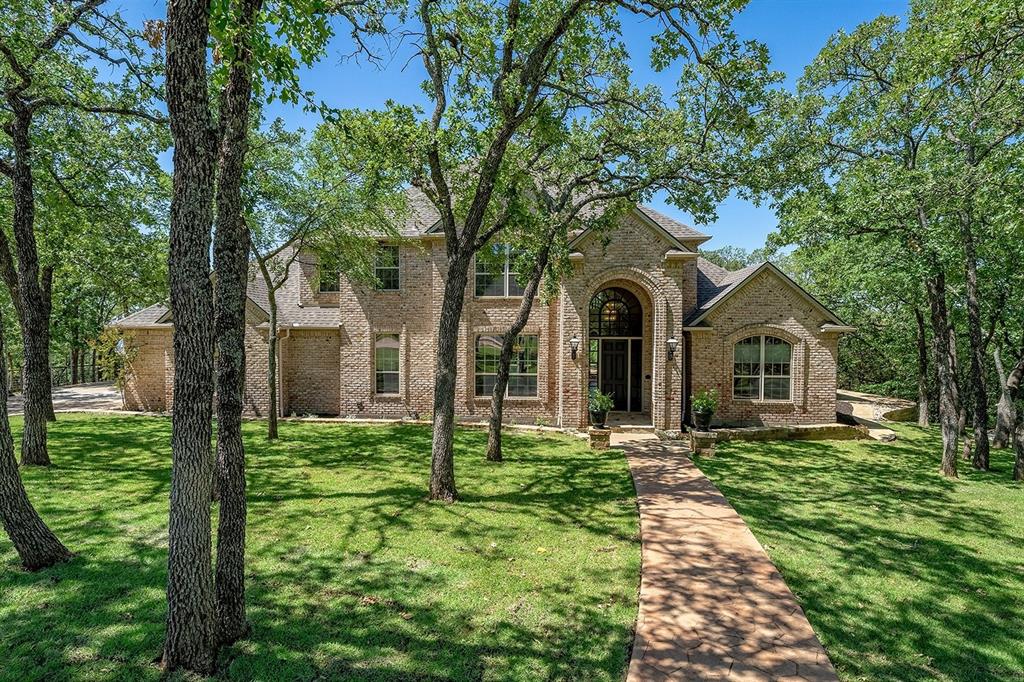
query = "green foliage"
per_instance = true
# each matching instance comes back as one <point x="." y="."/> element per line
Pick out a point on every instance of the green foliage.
<point x="901" y="138"/>
<point x="893" y="564"/>
<point x="100" y="196"/>
<point x="351" y="573"/>
<point x="116" y="352"/>
<point x="705" y="401"/>
<point x="735" y="257"/>
<point x="539" y="130"/>
<point x="601" y="402"/>
<point x="318" y="194"/>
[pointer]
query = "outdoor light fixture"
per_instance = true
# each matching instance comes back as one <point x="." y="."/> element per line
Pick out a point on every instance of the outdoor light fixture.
<point x="672" y="343"/>
<point x="574" y="346"/>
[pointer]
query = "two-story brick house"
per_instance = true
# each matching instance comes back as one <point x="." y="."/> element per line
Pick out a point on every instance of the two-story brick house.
<point x="641" y="316"/>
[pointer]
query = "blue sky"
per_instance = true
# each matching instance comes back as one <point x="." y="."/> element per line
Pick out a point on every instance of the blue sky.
<point x="793" y="30"/>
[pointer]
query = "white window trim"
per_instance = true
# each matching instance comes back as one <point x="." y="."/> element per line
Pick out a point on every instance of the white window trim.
<point x="397" y="268"/>
<point x="506" y="277"/>
<point x="536" y="393"/>
<point x="761" y="377"/>
<point x="398" y="372"/>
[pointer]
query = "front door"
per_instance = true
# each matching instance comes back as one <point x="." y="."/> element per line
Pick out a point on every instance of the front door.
<point x="615" y="371"/>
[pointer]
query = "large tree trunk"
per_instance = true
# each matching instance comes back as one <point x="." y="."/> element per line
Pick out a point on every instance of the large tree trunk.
<point x="33" y="303"/>
<point x="230" y="259"/>
<point x="47" y="378"/>
<point x="189" y="642"/>
<point x="936" y="285"/>
<point x="1005" y="410"/>
<point x="979" y="387"/>
<point x="922" y="370"/>
<point x="35" y="543"/>
<point x="960" y="397"/>
<point x="442" y="461"/>
<point x="504" y="360"/>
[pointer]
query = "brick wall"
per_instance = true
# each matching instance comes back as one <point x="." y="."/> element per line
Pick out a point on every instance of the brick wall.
<point x="256" y="394"/>
<point x="769" y="306"/>
<point x="365" y="313"/>
<point x="148" y="382"/>
<point x="330" y="371"/>
<point x="631" y="257"/>
<point x="312" y="371"/>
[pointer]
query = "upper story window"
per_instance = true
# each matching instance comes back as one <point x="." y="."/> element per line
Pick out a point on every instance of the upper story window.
<point x="494" y="273"/>
<point x="762" y="368"/>
<point x="385" y="268"/>
<point x="329" y="279"/>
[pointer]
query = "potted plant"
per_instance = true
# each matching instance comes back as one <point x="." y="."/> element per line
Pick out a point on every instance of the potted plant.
<point x="704" y="405"/>
<point x="600" y="403"/>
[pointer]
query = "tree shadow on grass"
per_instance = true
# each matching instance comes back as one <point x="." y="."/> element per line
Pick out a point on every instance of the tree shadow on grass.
<point x="352" y="573"/>
<point x="904" y="574"/>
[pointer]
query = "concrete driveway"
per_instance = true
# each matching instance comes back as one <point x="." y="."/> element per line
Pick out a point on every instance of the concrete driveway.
<point x="100" y="396"/>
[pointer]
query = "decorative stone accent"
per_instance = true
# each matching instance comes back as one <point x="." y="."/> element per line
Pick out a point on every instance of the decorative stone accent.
<point x="600" y="438"/>
<point x="703" y="443"/>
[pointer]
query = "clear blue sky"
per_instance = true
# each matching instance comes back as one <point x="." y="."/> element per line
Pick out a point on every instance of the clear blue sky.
<point x="793" y="30"/>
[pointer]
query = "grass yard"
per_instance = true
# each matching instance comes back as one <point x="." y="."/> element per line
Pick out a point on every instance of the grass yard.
<point x="352" y="574"/>
<point x="903" y="574"/>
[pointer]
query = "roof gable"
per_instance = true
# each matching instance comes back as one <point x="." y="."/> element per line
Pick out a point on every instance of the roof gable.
<point x="668" y="229"/>
<point x="731" y="282"/>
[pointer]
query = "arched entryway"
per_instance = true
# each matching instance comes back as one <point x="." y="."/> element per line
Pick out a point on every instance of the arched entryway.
<point x="616" y="347"/>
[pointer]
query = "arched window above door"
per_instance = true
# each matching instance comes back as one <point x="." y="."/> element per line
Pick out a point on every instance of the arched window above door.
<point x="615" y="312"/>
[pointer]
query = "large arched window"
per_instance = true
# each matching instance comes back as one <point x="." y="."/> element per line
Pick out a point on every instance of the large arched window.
<point x="615" y="312"/>
<point x="761" y="368"/>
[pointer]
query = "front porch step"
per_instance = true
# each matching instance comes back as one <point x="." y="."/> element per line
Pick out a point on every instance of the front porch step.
<point x="632" y="428"/>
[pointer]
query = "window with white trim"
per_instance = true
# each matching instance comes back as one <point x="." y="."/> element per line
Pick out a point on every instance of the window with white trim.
<point x="385" y="268"/>
<point x="762" y="368"/>
<point x="385" y="364"/>
<point x="494" y="273"/>
<point x="522" y="371"/>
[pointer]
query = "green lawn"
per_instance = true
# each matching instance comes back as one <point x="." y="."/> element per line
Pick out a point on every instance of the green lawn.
<point x="352" y="574"/>
<point x="903" y="574"/>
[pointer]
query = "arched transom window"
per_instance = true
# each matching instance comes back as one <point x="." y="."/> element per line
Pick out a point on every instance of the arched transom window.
<point x="615" y="312"/>
<point x="761" y="368"/>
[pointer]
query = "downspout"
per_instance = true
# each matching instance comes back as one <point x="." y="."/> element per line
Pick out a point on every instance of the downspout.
<point x="687" y="380"/>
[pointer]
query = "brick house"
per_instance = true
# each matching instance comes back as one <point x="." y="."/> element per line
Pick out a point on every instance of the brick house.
<point x="642" y="316"/>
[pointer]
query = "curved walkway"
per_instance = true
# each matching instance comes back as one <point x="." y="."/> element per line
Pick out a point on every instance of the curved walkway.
<point x="712" y="604"/>
<point x="78" y="398"/>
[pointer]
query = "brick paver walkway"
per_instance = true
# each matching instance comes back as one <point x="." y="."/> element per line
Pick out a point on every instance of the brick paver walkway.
<point x="712" y="604"/>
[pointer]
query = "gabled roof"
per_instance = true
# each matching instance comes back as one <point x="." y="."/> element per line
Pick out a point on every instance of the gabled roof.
<point x="422" y="218"/>
<point x="680" y="231"/>
<point x="150" y="316"/>
<point x="715" y="285"/>
<point x="674" y="231"/>
<point x="289" y="312"/>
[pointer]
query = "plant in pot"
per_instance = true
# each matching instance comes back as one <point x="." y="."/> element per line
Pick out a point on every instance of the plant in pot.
<point x="600" y="403"/>
<point x="704" y="405"/>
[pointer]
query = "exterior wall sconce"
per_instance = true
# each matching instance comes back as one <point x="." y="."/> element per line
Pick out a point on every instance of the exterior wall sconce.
<point x="574" y="346"/>
<point x="672" y="343"/>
